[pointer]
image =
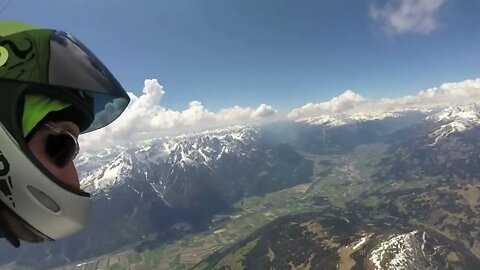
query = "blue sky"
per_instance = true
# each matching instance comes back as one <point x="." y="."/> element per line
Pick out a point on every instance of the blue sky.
<point x="282" y="53"/>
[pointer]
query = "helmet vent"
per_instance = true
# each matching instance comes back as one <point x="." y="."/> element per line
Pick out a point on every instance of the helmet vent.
<point x="3" y="56"/>
<point x="44" y="199"/>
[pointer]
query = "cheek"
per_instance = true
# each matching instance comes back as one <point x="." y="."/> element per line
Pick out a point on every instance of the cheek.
<point x="67" y="174"/>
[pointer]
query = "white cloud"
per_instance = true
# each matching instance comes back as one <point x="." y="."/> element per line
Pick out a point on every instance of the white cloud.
<point x="446" y="94"/>
<point x="400" y="16"/>
<point x="264" y="110"/>
<point x="241" y="115"/>
<point x="345" y="102"/>
<point x="145" y="117"/>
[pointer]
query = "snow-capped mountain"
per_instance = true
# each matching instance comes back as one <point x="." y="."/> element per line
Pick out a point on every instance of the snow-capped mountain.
<point x="336" y="120"/>
<point x="458" y="117"/>
<point x="341" y="133"/>
<point x="453" y="120"/>
<point x="180" y="170"/>
<point x="171" y="154"/>
<point x="166" y="163"/>
<point x="444" y="144"/>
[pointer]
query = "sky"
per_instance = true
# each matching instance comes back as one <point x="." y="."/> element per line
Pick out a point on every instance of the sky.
<point x="199" y="62"/>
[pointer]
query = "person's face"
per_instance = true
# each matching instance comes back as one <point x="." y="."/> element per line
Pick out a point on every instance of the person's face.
<point x="37" y="144"/>
<point x="67" y="174"/>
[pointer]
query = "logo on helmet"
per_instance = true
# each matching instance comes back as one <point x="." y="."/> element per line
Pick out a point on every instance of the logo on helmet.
<point x="3" y="55"/>
<point x="5" y="178"/>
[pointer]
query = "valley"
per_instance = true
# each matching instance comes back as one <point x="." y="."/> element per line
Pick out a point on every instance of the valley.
<point x="342" y="187"/>
<point x="337" y="180"/>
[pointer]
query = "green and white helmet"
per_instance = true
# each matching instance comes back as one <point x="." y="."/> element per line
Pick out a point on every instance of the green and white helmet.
<point x="55" y="64"/>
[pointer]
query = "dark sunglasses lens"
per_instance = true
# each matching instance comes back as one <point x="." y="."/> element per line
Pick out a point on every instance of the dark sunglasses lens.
<point x="61" y="148"/>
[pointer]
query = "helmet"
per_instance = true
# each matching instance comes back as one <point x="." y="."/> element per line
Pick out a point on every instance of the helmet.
<point x="54" y="64"/>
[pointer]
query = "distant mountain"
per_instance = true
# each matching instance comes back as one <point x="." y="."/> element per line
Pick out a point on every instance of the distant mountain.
<point x="191" y="150"/>
<point x="228" y="162"/>
<point x="336" y="120"/>
<point x="455" y="120"/>
<point x="445" y="144"/>
<point x="342" y="133"/>
<point x="427" y="179"/>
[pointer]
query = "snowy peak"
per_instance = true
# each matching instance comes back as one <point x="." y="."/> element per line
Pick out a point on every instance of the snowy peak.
<point x="199" y="149"/>
<point x="467" y="113"/>
<point x="454" y="120"/>
<point x="404" y="251"/>
<point x="328" y="120"/>
<point x="345" y="119"/>
<point x="109" y="174"/>
<point x="147" y="160"/>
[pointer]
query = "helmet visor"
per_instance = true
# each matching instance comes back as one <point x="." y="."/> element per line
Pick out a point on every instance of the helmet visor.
<point x="57" y="60"/>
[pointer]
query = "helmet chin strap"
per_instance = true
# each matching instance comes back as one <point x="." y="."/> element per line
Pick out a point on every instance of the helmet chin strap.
<point x="6" y="232"/>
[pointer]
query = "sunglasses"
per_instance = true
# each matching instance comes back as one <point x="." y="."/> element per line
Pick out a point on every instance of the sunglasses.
<point x="61" y="145"/>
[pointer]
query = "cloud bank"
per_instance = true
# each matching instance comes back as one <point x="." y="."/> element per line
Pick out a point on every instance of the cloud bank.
<point x="349" y="102"/>
<point x="145" y="118"/>
<point x="400" y="16"/>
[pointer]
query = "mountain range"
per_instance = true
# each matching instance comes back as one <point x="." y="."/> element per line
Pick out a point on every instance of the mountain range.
<point x="151" y="192"/>
<point x="412" y="201"/>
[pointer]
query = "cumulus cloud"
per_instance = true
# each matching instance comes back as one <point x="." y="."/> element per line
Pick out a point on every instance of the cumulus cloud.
<point x="400" y="16"/>
<point x="446" y="94"/>
<point x="345" y="102"/>
<point x="144" y="117"/>
<point x="240" y="115"/>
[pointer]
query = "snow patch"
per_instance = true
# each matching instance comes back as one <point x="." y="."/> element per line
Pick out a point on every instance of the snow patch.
<point x="395" y="253"/>
<point x="204" y="149"/>
<point x="345" y="119"/>
<point x="454" y="120"/>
